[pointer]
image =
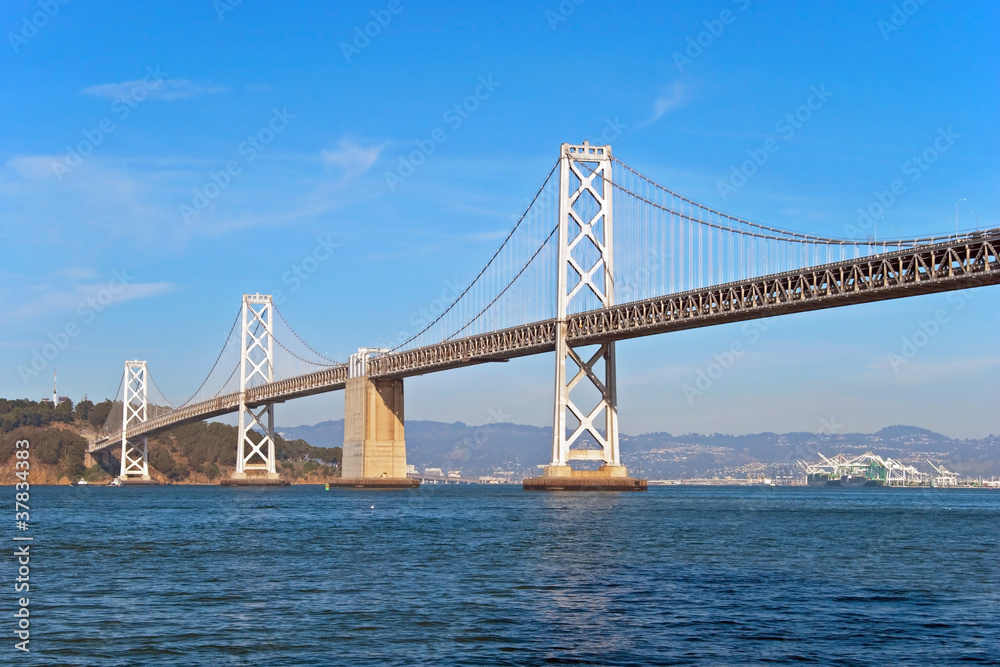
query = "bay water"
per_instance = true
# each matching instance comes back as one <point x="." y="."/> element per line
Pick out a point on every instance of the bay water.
<point x="493" y="575"/>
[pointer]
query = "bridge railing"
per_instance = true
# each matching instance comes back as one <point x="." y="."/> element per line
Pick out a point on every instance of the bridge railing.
<point x="971" y="261"/>
<point x="966" y="261"/>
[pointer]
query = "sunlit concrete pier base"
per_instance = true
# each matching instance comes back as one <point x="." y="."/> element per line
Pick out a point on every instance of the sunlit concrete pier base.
<point x="374" y="483"/>
<point x="254" y="480"/>
<point x="374" y="444"/>
<point x="564" y="478"/>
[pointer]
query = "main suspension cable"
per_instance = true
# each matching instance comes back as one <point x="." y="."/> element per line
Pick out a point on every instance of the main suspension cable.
<point x="796" y="237"/>
<point x="295" y="333"/>
<point x="488" y="264"/>
<point x="224" y="346"/>
<point x="509" y="285"/>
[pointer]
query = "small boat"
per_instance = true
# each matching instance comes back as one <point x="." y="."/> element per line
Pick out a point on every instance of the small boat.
<point x="82" y="482"/>
<point x="116" y="482"/>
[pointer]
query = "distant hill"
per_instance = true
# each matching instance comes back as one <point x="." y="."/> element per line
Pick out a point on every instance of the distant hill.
<point x="478" y="450"/>
<point x="205" y="451"/>
<point x="196" y="453"/>
<point x="481" y="450"/>
<point x="663" y="455"/>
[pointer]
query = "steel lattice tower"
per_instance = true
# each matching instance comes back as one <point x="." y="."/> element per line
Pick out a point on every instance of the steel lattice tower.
<point x="256" y="363"/>
<point x="585" y="226"/>
<point x="134" y="461"/>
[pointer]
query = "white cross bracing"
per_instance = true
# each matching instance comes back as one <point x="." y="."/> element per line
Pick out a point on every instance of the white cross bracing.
<point x="256" y="365"/>
<point x="134" y="460"/>
<point x="585" y="210"/>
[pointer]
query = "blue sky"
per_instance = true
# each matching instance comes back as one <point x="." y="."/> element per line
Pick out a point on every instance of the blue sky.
<point x="199" y="78"/>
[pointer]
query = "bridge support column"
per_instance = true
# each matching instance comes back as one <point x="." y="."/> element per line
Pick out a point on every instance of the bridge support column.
<point x="585" y="281"/>
<point x="135" y="452"/>
<point x="103" y="459"/>
<point x="255" y="437"/>
<point x="374" y="444"/>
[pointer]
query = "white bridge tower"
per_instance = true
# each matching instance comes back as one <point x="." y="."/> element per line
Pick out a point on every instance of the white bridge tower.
<point x="135" y="459"/>
<point x="585" y="280"/>
<point x="255" y="448"/>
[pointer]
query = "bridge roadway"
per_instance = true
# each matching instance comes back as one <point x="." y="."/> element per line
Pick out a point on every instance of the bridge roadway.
<point x="962" y="263"/>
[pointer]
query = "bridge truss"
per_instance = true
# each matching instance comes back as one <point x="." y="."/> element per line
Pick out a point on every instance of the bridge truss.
<point x="631" y="259"/>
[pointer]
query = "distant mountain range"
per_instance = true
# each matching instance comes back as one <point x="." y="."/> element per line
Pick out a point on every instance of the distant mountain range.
<point x="483" y="450"/>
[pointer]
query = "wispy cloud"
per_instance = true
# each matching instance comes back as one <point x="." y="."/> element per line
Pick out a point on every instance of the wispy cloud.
<point x="111" y="201"/>
<point x="76" y="273"/>
<point x="105" y="199"/>
<point x="32" y="167"/>
<point x="351" y="159"/>
<point x="931" y="371"/>
<point x="68" y="296"/>
<point x="163" y="89"/>
<point x="671" y="98"/>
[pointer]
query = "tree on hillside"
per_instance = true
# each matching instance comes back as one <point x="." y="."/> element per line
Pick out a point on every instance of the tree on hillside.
<point x="161" y="459"/>
<point x="208" y="445"/>
<point x="300" y="450"/>
<point x="83" y="408"/>
<point x="99" y="413"/>
<point x="48" y="446"/>
<point x="63" y="412"/>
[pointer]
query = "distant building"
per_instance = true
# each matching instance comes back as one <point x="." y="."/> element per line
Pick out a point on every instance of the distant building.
<point x="59" y="399"/>
<point x="434" y="471"/>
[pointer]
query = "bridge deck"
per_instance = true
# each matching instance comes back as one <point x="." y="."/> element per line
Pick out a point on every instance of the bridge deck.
<point x="962" y="263"/>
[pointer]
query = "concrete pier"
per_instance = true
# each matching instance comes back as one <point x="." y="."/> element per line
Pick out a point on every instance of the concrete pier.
<point x="138" y="481"/>
<point x="564" y="478"/>
<point x="374" y="483"/>
<point x="249" y="480"/>
<point x="374" y="444"/>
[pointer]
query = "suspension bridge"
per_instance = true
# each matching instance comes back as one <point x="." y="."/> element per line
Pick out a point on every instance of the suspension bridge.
<point x="601" y="254"/>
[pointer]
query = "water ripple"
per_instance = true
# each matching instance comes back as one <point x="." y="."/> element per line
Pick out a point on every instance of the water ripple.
<point x="495" y="576"/>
